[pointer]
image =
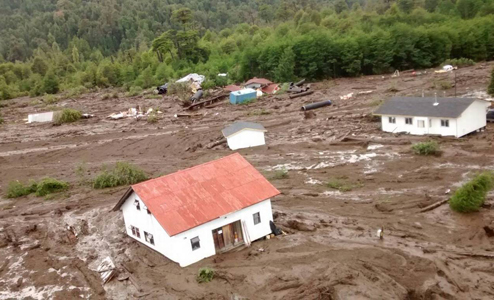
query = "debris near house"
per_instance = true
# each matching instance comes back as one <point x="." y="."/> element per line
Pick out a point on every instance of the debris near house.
<point x="242" y="96"/>
<point x="197" y="96"/>
<point x="446" y="69"/>
<point x="490" y="115"/>
<point x="241" y="134"/>
<point x="317" y="105"/>
<point x="347" y="96"/>
<point x="40" y="118"/>
<point x="163" y="89"/>
<point x="293" y="96"/>
<point x="396" y="74"/>
<point x="106" y="269"/>
<point x="263" y="85"/>
<point x="298" y="87"/>
<point x="135" y="113"/>
<point x="365" y="92"/>
<point x="87" y="116"/>
<point x="207" y="102"/>
<point x="219" y="203"/>
<point x="232" y="88"/>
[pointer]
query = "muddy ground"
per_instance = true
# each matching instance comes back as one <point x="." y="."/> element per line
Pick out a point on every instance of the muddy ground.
<point x="331" y="250"/>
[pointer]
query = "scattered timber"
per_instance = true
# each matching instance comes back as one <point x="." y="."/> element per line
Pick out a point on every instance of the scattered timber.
<point x="217" y="143"/>
<point x="206" y="102"/>
<point x="433" y="206"/>
<point x="301" y="94"/>
<point x="364" y="88"/>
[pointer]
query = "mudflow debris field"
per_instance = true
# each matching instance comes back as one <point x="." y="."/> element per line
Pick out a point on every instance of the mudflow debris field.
<point x="52" y="246"/>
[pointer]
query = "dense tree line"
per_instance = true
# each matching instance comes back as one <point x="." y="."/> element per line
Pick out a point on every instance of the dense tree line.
<point x="141" y="44"/>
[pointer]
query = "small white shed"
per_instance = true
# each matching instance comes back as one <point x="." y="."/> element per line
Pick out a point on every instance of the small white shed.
<point x="436" y="116"/>
<point x="242" y="134"/>
<point x="198" y="212"/>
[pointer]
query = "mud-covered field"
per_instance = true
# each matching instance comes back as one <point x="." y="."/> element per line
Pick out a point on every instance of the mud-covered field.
<point x="331" y="250"/>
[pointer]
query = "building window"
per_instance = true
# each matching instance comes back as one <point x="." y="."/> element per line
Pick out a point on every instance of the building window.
<point x="421" y="123"/>
<point x="392" y="120"/>
<point x="257" y="218"/>
<point x="137" y="204"/>
<point x="195" y="243"/>
<point x="408" y="121"/>
<point x="444" y="123"/>
<point x="147" y="209"/>
<point x="149" y="238"/>
<point x="135" y="231"/>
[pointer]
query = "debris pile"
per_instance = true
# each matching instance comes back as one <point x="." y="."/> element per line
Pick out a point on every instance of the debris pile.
<point x="135" y="113"/>
<point x="299" y="89"/>
<point x="106" y="269"/>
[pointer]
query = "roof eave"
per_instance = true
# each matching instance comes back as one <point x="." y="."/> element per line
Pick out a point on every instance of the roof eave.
<point x="122" y="200"/>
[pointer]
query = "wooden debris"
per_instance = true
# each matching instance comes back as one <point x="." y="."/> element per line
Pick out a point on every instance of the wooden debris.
<point x="206" y="102"/>
<point x="132" y="279"/>
<point x="217" y="143"/>
<point x="433" y="206"/>
<point x="301" y="94"/>
<point x="364" y="88"/>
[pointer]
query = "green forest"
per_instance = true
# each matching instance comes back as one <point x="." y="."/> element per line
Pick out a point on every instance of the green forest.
<point x="49" y="46"/>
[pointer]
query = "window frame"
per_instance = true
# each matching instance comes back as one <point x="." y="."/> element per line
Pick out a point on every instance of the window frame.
<point x="423" y="123"/>
<point x="137" y="204"/>
<point x="445" y="123"/>
<point x="406" y="121"/>
<point x="193" y="241"/>
<point x="135" y="231"/>
<point x="148" y="237"/>
<point x="258" y="215"/>
<point x="392" y="120"/>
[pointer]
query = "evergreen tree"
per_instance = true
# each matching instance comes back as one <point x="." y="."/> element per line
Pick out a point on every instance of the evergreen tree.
<point x="50" y="83"/>
<point x="285" y="71"/>
<point x="39" y="66"/>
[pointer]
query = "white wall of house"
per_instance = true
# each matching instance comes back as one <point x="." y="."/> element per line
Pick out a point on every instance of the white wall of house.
<point x="179" y="248"/>
<point x="41" y="117"/>
<point x="473" y="118"/>
<point x="431" y="125"/>
<point x="246" y="138"/>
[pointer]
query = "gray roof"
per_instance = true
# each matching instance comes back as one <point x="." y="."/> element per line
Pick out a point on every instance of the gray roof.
<point x="240" y="125"/>
<point x="424" y="107"/>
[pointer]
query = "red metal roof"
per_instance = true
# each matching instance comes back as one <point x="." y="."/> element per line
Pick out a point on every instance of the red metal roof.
<point x="270" y="88"/>
<point x="262" y="81"/>
<point x="232" y="88"/>
<point x="191" y="197"/>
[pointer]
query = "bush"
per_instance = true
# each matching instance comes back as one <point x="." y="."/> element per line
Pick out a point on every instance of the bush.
<point x="152" y="118"/>
<point x="50" y="99"/>
<point x="67" y="115"/>
<point x="122" y="174"/>
<point x="182" y="91"/>
<point x="426" y="148"/>
<point x="16" y="189"/>
<point x="280" y="174"/>
<point x="134" y="91"/>
<point x="459" y="62"/>
<point x="471" y="196"/>
<point x="205" y="275"/>
<point x="50" y="185"/>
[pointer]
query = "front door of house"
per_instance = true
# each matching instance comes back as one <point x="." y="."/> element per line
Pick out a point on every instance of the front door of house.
<point x="422" y="125"/>
<point x="228" y="236"/>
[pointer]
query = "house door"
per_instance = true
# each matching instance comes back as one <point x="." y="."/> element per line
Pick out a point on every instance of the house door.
<point x="228" y="236"/>
<point x="422" y="125"/>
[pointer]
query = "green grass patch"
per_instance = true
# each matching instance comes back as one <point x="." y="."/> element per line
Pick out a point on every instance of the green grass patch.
<point x="153" y="96"/>
<point x="49" y="99"/>
<point x="342" y="184"/>
<point x="134" y="91"/>
<point x="459" y="62"/>
<point x="247" y="102"/>
<point x="46" y="186"/>
<point x="259" y="112"/>
<point x="121" y="174"/>
<point x="426" y="148"/>
<point x="205" y="275"/>
<point x="280" y="174"/>
<point x="471" y="196"/>
<point x="49" y="186"/>
<point x="67" y="115"/>
<point x="152" y="118"/>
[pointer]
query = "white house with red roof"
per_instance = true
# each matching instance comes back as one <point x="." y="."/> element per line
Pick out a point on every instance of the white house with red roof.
<point x="198" y="212"/>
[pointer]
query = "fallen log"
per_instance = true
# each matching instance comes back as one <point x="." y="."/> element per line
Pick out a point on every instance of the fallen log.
<point x="433" y="206"/>
<point x="132" y="278"/>
<point x="301" y="94"/>
<point x="217" y="143"/>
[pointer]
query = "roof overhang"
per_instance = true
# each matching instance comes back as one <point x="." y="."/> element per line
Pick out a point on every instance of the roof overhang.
<point x="122" y="200"/>
<point x="244" y="129"/>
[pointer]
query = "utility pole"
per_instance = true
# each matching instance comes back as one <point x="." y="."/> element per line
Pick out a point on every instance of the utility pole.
<point x="455" y="81"/>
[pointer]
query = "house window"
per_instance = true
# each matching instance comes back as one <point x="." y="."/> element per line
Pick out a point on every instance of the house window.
<point x="444" y="123"/>
<point x="135" y="231"/>
<point x="147" y="209"/>
<point x="408" y="121"/>
<point x="149" y="238"/>
<point x="137" y="204"/>
<point x="392" y="120"/>
<point x="257" y="218"/>
<point x="421" y="123"/>
<point x="195" y="243"/>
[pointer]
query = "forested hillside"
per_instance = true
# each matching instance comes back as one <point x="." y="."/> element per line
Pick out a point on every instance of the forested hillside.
<point x="47" y="45"/>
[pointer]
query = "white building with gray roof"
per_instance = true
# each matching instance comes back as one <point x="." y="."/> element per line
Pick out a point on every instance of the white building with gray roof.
<point x="435" y="116"/>
<point x="242" y="134"/>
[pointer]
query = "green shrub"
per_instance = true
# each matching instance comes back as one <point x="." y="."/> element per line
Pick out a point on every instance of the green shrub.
<point x="77" y="91"/>
<point x="426" y="148"/>
<point x="471" y="196"/>
<point x="49" y="186"/>
<point x="16" y="189"/>
<point x="105" y="96"/>
<point x="134" y="91"/>
<point x="280" y="174"/>
<point x="122" y="174"/>
<point x="342" y="185"/>
<point x="67" y="115"/>
<point x="205" y="275"/>
<point x="182" y="91"/>
<point x="152" y="118"/>
<point x="259" y="112"/>
<point x="459" y="62"/>
<point x="50" y="99"/>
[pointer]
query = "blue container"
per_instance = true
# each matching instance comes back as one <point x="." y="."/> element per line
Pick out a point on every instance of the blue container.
<point x="242" y="96"/>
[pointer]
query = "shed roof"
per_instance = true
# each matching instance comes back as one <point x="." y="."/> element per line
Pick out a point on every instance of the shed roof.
<point x="262" y="81"/>
<point x="241" y="125"/>
<point x="424" y="107"/>
<point x="244" y="91"/>
<point x="191" y="197"/>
